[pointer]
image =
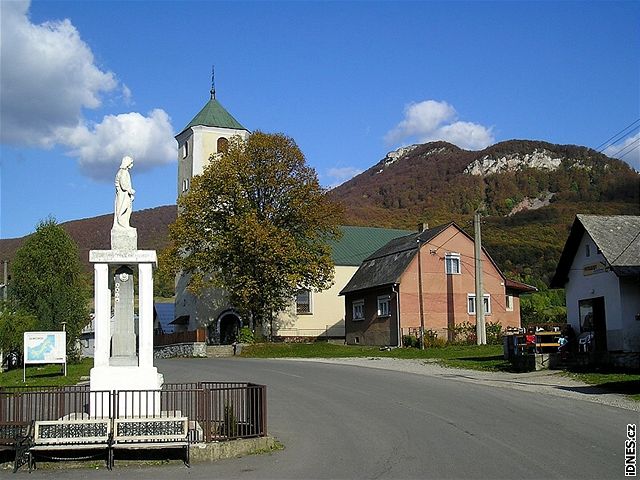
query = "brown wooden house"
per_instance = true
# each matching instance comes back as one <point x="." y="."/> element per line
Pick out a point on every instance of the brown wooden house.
<point x="382" y="299"/>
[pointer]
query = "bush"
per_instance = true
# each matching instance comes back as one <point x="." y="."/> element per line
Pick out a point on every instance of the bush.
<point x="494" y="333"/>
<point x="464" y="334"/>
<point x="246" y="335"/>
<point x="410" y="341"/>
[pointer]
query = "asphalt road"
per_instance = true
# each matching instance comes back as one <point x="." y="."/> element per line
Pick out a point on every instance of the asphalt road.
<point x="344" y="421"/>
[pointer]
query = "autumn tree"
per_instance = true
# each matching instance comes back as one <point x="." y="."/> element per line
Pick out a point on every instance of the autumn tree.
<point x="256" y="223"/>
<point x="48" y="282"/>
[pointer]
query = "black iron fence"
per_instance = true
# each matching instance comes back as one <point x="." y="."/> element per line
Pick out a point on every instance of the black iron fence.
<point x="216" y="411"/>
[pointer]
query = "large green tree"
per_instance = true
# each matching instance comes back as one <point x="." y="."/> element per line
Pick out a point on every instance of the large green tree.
<point x="48" y="282"/>
<point x="256" y="223"/>
<point x="14" y="321"/>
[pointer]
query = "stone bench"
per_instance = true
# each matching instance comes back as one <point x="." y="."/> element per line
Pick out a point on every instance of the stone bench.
<point x="70" y="435"/>
<point x="150" y="433"/>
<point x="16" y="436"/>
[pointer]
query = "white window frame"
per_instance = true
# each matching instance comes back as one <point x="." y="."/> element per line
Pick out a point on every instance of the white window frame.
<point x="508" y="303"/>
<point x="185" y="149"/>
<point x="382" y="301"/>
<point x="471" y="306"/>
<point x="357" y="305"/>
<point x="310" y="293"/>
<point x="449" y="257"/>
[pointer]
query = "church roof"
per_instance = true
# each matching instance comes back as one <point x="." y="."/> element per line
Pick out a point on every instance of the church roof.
<point x="214" y="115"/>
<point x="357" y="243"/>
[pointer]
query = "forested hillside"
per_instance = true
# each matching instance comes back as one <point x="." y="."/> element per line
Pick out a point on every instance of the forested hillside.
<point x="529" y="193"/>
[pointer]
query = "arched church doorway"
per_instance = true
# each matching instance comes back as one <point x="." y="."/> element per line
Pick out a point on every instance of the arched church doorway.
<point x="229" y="328"/>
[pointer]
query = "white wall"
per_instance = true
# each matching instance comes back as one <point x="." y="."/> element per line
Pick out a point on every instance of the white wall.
<point x="599" y="284"/>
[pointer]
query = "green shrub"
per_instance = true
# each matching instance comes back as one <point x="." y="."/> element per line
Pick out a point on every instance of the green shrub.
<point x="410" y="341"/>
<point x="246" y="335"/>
<point x="464" y="333"/>
<point x="494" y="333"/>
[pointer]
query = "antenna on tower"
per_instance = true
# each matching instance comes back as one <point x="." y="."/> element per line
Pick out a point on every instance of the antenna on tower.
<point x="213" y="83"/>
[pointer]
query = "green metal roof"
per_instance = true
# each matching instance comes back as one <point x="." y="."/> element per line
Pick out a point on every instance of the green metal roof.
<point x="214" y="115"/>
<point x="357" y="243"/>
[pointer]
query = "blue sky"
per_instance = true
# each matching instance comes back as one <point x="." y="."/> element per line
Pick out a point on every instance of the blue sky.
<point x="83" y="83"/>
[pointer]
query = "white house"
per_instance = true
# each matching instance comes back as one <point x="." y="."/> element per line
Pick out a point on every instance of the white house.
<point x="600" y="271"/>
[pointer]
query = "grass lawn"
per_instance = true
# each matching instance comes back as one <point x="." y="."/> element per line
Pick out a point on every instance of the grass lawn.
<point x="616" y="382"/>
<point x="485" y="357"/>
<point x="47" y="375"/>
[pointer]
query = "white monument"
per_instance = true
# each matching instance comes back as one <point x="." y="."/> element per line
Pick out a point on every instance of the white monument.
<point x="118" y="365"/>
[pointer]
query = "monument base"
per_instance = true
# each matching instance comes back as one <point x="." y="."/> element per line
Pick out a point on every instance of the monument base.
<point x="124" y="238"/>
<point x="139" y="389"/>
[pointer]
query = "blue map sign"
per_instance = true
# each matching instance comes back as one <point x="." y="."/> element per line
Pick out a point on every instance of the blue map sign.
<point x="45" y="347"/>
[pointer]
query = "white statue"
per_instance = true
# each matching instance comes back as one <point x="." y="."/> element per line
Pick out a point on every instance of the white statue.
<point x="124" y="194"/>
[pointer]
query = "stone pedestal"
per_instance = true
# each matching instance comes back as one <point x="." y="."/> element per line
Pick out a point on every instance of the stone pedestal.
<point x="117" y="367"/>
<point x="123" y="238"/>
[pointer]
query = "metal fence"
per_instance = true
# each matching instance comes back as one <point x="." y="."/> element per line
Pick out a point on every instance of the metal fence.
<point x="216" y="411"/>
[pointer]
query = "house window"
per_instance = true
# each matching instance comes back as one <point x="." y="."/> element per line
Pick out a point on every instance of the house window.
<point x="223" y="145"/>
<point x="185" y="149"/>
<point x="303" y="302"/>
<point x="185" y="185"/>
<point x="452" y="263"/>
<point x="508" y="303"/>
<point x="358" y="310"/>
<point x="587" y="249"/>
<point x="384" y="302"/>
<point x="471" y="304"/>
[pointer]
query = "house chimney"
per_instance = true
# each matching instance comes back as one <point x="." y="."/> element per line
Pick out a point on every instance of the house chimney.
<point x="423" y="226"/>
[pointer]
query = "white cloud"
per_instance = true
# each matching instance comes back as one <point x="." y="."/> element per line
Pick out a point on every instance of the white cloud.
<point x="627" y="150"/>
<point x="48" y="77"/>
<point x="99" y="148"/>
<point x="432" y="120"/>
<point x="339" y="175"/>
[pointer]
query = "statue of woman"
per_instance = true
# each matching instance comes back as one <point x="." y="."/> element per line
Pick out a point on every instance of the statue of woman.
<point x="124" y="194"/>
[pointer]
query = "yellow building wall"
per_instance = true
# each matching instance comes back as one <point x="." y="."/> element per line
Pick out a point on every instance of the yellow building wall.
<point x="327" y="311"/>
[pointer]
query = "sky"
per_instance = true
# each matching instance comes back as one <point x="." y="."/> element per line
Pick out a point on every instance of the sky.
<point x="83" y="83"/>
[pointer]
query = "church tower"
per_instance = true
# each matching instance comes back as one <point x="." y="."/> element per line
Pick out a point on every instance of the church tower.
<point x="208" y="133"/>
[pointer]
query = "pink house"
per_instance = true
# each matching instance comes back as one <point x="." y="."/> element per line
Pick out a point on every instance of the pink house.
<point x="382" y="299"/>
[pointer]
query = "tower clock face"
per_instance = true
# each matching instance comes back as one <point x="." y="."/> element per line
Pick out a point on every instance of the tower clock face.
<point x="124" y="277"/>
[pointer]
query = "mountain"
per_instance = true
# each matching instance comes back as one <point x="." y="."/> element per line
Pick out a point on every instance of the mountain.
<point x="529" y="192"/>
<point x="95" y="233"/>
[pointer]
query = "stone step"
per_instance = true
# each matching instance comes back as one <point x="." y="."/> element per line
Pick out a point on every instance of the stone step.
<point x="214" y="351"/>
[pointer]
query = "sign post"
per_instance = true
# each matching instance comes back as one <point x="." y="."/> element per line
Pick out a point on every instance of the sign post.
<point x="44" y="347"/>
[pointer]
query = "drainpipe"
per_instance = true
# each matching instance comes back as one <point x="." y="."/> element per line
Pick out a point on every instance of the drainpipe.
<point x="397" y="292"/>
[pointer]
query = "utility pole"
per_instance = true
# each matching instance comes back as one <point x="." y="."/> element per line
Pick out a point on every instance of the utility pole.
<point x="420" y="297"/>
<point x="481" y="332"/>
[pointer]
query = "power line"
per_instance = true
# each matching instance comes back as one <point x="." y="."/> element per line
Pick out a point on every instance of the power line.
<point x="625" y="249"/>
<point x="622" y="153"/>
<point x="611" y="140"/>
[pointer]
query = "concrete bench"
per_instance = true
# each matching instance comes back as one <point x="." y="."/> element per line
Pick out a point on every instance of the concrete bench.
<point x="151" y="433"/>
<point x="70" y="435"/>
<point x="16" y="436"/>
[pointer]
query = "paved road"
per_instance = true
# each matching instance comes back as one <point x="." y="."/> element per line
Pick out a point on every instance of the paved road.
<point x="348" y="421"/>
